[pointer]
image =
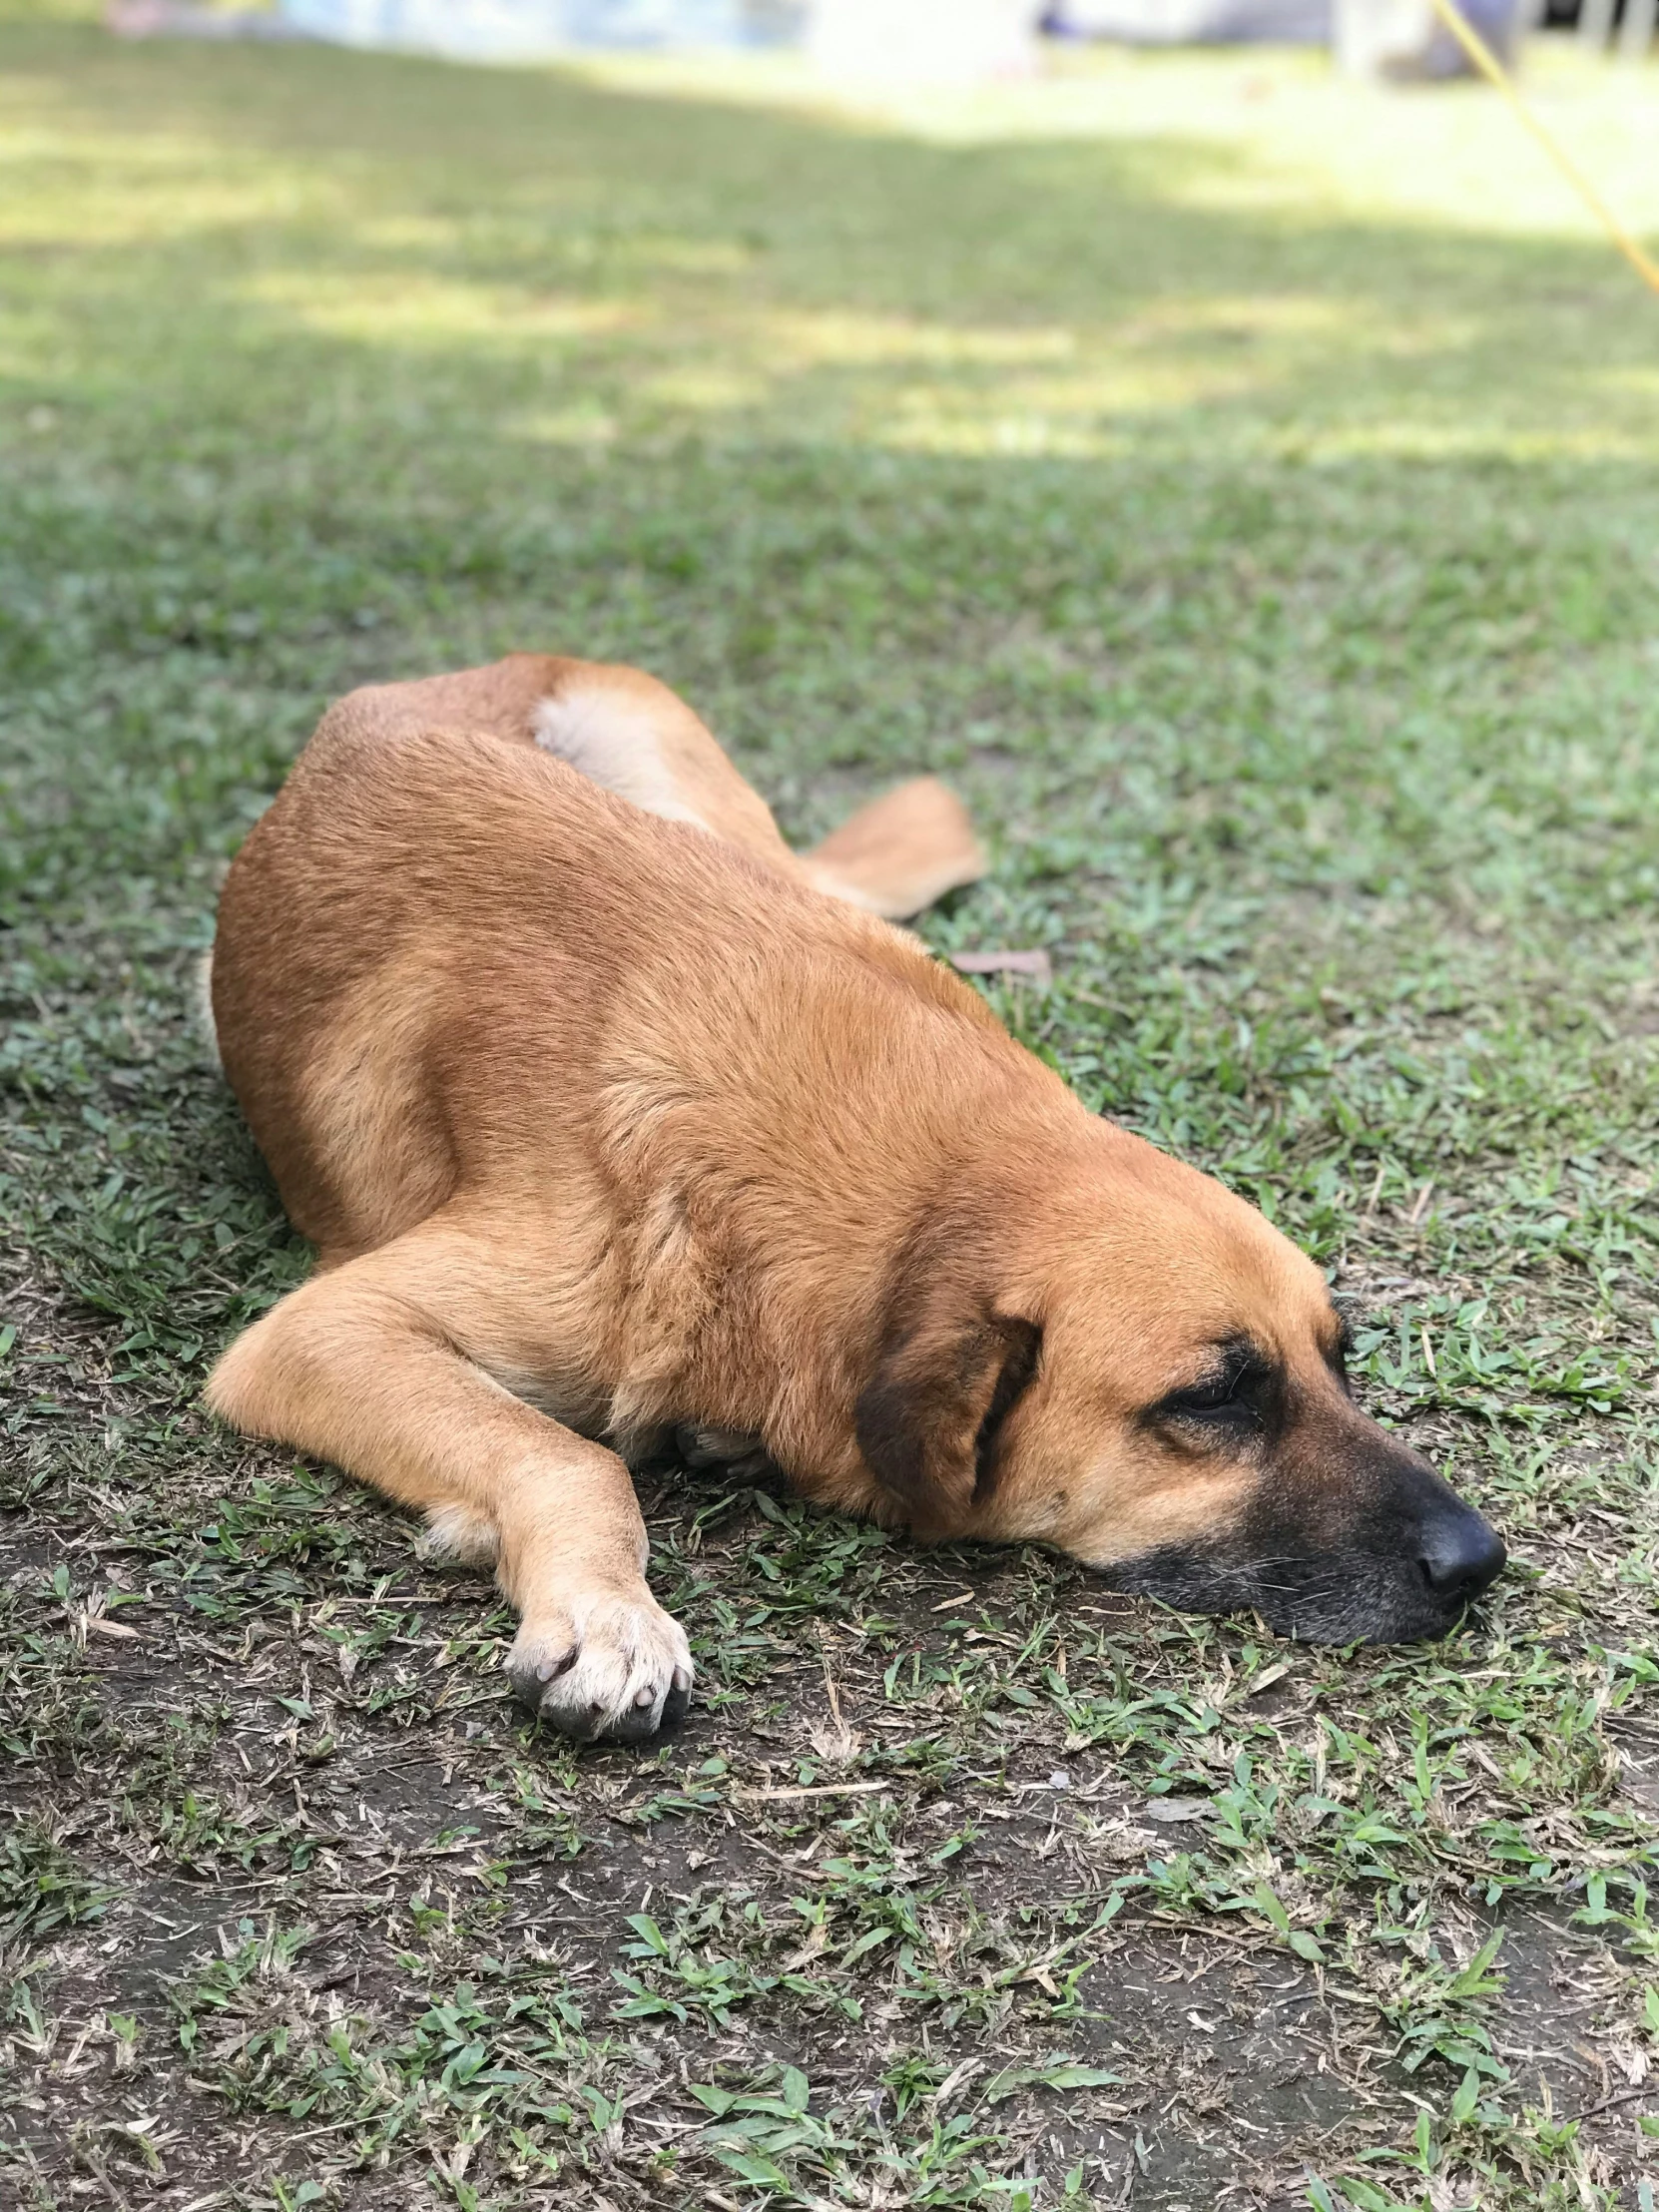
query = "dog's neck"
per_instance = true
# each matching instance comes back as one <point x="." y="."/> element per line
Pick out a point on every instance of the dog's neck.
<point x="758" y="1297"/>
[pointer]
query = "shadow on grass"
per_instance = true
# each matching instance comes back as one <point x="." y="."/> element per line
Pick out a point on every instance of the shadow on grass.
<point x="275" y="239"/>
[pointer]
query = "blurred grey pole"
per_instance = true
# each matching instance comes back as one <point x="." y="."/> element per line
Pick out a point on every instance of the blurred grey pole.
<point x="1641" y="20"/>
<point x="1595" y="22"/>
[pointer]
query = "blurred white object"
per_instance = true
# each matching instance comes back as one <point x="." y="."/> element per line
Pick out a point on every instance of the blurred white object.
<point x="921" y="42"/>
<point x="180" y="19"/>
<point x="519" y="30"/>
<point x="1406" y="40"/>
<point x="1194" y="22"/>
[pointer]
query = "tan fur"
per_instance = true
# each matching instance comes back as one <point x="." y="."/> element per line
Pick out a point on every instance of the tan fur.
<point x="605" y="1120"/>
<point x="900" y="853"/>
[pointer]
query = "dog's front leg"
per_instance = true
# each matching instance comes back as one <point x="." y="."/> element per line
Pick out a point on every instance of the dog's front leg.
<point x="368" y="1366"/>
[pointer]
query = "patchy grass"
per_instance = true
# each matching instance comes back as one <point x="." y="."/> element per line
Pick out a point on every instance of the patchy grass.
<point x="1273" y="562"/>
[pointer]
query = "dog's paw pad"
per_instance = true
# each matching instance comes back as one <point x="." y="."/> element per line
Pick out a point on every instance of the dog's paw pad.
<point x="607" y="1666"/>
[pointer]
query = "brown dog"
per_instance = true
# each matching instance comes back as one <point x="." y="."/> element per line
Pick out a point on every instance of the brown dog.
<point x="609" y="1116"/>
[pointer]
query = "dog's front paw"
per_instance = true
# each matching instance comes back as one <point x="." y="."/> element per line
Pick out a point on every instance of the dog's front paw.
<point x="599" y="1664"/>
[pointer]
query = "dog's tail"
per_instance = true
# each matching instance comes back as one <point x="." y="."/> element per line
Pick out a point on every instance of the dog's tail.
<point x="898" y="853"/>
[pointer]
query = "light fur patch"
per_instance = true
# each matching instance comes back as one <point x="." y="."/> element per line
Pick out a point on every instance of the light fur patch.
<point x="614" y="744"/>
<point x="203" y="996"/>
<point x="456" y="1535"/>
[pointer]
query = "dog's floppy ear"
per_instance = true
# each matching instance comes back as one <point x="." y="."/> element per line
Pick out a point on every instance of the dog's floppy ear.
<point x="928" y="1420"/>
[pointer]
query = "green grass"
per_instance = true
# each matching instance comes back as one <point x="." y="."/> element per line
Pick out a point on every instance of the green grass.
<point x="1245" y="491"/>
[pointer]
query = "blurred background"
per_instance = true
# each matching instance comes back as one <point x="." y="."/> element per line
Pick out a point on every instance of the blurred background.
<point x="936" y="41"/>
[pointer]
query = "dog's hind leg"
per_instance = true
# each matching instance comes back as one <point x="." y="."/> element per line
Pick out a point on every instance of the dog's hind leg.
<point x="639" y="738"/>
<point x="376" y="1367"/>
<point x="634" y="736"/>
<point x="631" y="733"/>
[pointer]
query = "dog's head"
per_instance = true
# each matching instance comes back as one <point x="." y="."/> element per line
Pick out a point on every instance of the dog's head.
<point x="1109" y="1351"/>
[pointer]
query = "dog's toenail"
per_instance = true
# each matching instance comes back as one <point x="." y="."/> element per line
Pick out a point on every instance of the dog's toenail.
<point x="682" y="1680"/>
<point x="645" y="1698"/>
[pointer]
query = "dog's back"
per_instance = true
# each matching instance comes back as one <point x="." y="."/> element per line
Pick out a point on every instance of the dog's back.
<point x="435" y="932"/>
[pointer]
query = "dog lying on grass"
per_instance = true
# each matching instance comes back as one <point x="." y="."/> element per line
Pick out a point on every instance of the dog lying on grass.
<point x="611" y="1117"/>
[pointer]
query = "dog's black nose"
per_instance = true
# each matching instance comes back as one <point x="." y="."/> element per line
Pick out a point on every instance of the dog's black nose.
<point x="1462" y="1557"/>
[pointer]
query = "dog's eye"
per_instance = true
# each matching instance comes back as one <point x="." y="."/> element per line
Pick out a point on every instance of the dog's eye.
<point x="1234" y="1397"/>
<point x="1207" y="1398"/>
<point x="1233" y="1401"/>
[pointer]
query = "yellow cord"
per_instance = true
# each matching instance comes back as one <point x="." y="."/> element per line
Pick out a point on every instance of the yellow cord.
<point x="1479" y="52"/>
